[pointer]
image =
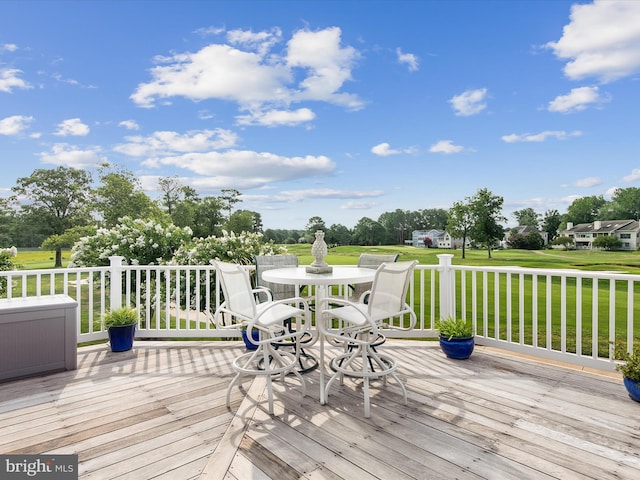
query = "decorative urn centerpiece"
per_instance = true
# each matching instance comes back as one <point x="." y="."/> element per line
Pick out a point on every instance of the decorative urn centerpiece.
<point x="319" y="251"/>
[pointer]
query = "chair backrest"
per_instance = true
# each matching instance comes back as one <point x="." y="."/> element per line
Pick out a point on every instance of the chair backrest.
<point x="373" y="261"/>
<point x="269" y="262"/>
<point x="389" y="289"/>
<point x="236" y="288"/>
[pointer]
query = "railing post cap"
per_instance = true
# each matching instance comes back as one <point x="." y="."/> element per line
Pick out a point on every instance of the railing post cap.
<point x="116" y="259"/>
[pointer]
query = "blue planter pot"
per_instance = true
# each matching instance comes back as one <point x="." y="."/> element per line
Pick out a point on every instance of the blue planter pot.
<point x="633" y="388"/>
<point x="458" y="348"/>
<point x="255" y="334"/>
<point x="121" y="337"/>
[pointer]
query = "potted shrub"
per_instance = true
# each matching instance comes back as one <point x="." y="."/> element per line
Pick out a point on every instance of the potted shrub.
<point x="255" y="333"/>
<point x="121" y="326"/>
<point x="629" y="367"/>
<point x="456" y="337"/>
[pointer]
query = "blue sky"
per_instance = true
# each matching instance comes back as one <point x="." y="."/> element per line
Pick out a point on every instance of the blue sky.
<point x="340" y="109"/>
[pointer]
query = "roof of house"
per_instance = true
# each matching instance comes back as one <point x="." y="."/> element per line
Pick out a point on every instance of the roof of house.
<point x="606" y="226"/>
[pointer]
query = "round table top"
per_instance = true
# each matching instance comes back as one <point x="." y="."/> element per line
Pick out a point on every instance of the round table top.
<point x="299" y="276"/>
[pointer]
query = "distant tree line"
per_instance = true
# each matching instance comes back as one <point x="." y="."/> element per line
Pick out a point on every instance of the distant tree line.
<point x="53" y="208"/>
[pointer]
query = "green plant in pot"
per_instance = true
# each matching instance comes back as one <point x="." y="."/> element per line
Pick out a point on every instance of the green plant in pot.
<point x="456" y="337"/>
<point x="121" y="326"/>
<point x="629" y="366"/>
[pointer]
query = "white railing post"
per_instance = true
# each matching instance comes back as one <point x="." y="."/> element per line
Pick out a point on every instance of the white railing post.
<point x="447" y="298"/>
<point x="115" y="291"/>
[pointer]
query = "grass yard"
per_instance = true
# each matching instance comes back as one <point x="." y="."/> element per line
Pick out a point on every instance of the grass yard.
<point x="508" y="318"/>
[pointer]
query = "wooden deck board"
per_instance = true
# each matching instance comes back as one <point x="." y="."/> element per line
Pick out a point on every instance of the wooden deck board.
<point x="158" y="412"/>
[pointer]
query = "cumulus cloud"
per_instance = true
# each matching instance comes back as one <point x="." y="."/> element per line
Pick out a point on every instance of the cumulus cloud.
<point x="72" y="127"/>
<point x="446" y="147"/>
<point x="576" y="100"/>
<point x="469" y="103"/>
<point x="163" y="143"/>
<point x="634" y="176"/>
<point x="274" y="118"/>
<point x="63" y="154"/>
<point x="602" y="40"/>
<point x="129" y="124"/>
<point x="14" y="125"/>
<point x="384" y="150"/>
<point x="245" y="168"/>
<point x="8" y="47"/>
<point x="540" y="137"/>
<point x="313" y="67"/>
<point x="9" y="79"/>
<point x="409" y="59"/>
<point x="586" y="182"/>
<point x="326" y="193"/>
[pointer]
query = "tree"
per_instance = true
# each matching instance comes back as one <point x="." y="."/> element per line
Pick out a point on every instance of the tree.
<point x="486" y="210"/>
<point x="171" y="189"/>
<point x="338" y="235"/>
<point x="429" y="218"/>
<point x="368" y="232"/>
<point x="585" y="209"/>
<point x="244" y="221"/>
<point x="59" y="199"/>
<point x="121" y="195"/>
<point x="551" y="222"/>
<point x="528" y="241"/>
<point x="527" y="217"/>
<point x="608" y="242"/>
<point x="624" y="205"/>
<point x="396" y="226"/>
<point x="229" y="197"/>
<point x="566" y="242"/>
<point x="208" y="217"/>
<point x="314" y="224"/>
<point x="460" y="223"/>
<point x="68" y="238"/>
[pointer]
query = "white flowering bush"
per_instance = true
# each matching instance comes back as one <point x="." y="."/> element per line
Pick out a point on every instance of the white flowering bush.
<point x="228" y="248"/>
<point x="6" y="264"/>
<point x="140" y="242"/>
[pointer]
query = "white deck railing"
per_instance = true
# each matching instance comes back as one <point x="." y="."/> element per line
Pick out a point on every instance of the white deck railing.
<point x="565" y="315"/>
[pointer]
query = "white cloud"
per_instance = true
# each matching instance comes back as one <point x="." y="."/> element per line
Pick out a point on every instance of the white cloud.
<point x="634" y="176"/>
<point x="9" y="80"/>
<point x="129" y="124"/>
<point x="602" y="40"/>
<point x="446" y="147"/>
<point x="14" y="125"/>
<point x="169" y="143"/>
<point x="587" y="182"/>
<point x="274" y="118"/>
<point x="72" y="127"/>
<point x="470" y="102"/>
<point x="72" y="156"/>
<point x="540" y="137"/>
<point x="409" y="59"/>
<point x="576" y="100"/>
<point x="8" y="47"/>
<point x="326" y="193"/>
<point x="245" y="168"/>
<point x="384" y="150"/>
<point x="255" y="77"/>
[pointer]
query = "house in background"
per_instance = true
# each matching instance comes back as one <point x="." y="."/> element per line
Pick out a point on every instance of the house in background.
<point x="447" y="241"/>
<point x="524" y="230"/>
<point x="583" y="234"/>
<point x="418" y="236"/>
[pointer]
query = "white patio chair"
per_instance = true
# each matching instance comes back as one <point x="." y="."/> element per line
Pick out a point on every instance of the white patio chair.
<point x="358" y="326"/>
<point x="280" y="291"/>
<point x="268" y="317"/>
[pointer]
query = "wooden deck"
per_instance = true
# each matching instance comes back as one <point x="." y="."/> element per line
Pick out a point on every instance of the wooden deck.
<point x="159" y="412"/>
